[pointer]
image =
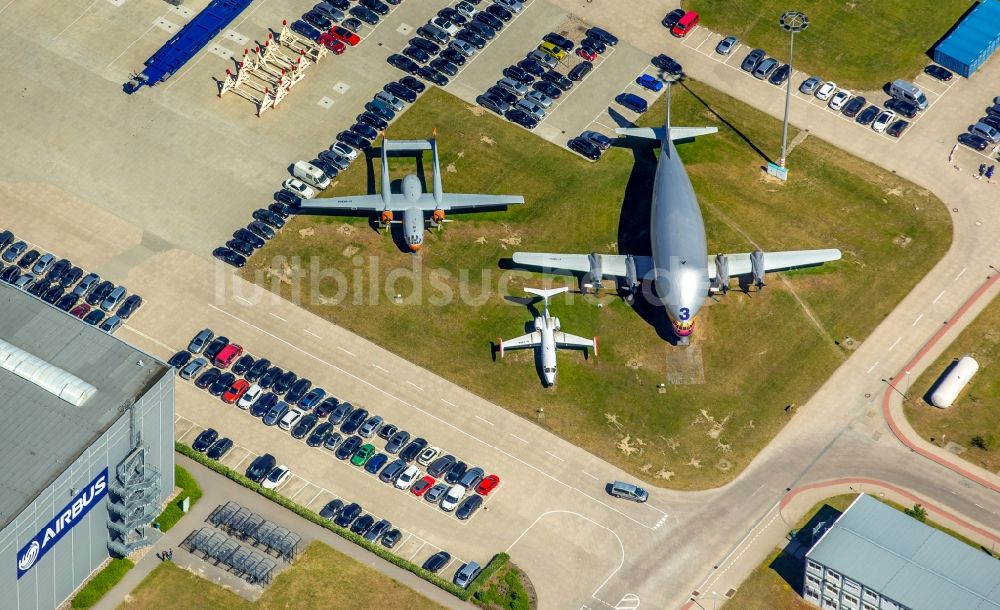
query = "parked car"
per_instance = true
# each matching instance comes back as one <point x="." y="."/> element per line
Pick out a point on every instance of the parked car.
<point x="376" y="462"/>
<point x="218" y="450"/>
<point x="348" y="514"/>
<point x="671" y="19"/>
<point x="452" y="497"/>
<point x="897" y="128"/>
<point x="826" y="90"/>
<point x="466" y="574"/>
<point x="938" y="72"/>
<point x="433" y="495"/>
<point x="391" y="538"/>
<point x="726" y="45"/>
<point x="441" y="465"/>
<point x="397" y="441"/>
<point x="472" y="478"/>
<point x="580" y="70"/>
<point x="585" y="147"/>
<point x="305" y="425"/>
<point x="648" y="81"/>
<point x="487" y="485"/>
<point x="902" y="107"/>
<point x="839" y="99"/>
<point x="753" y="58"/>
<point x="765" y="67"/>
<point x="854" y="106"/>
<point x="261" y="467"/>
<point x="205" y="440"/>
<point x="883" y="120"/>
<point x="319" y="434"/>
<point x="521" y="117"/>
<point x="420" y="487"/>
<point x="867" y="115"/>
<point x="598" y="139"/>
<point x="627" y="491"/>
<point x="437" y="561"/>
<point x="190" y="370"/>
<point x="393" y="470"/>
<point x="469" y="506"/>
<point x="667" y="64"/>
<point x="407" y="477"/>
<point x="347" y="448"/>
<point x="633" y="102"/>
<point x="456" y="472"/>
<point x="779" y="76"/>
<point x="331" y="509"/>
<point x="411" y="451"/>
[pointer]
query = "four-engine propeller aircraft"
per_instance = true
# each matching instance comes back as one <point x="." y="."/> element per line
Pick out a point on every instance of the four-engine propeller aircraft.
<point x="681" y="272"/>
<point x="548" y="336"/>
<point x="415" y="204"/>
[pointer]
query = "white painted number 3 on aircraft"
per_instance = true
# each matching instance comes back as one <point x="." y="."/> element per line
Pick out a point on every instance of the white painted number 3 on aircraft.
<point x="685" y="313"/>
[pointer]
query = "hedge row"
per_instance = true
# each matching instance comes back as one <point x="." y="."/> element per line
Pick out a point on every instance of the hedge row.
<point x="496" y="563"/>
<point x="173" y="512"/>
<point x="101" y="583"/>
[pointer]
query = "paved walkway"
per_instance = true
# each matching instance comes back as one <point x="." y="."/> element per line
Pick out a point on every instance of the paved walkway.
<point x="219" y="490"/>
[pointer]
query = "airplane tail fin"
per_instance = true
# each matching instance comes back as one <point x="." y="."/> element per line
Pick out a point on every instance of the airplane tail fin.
<point x="546" y="293"/>
<point x="662" y="133"/>
<point x="438" y="190"/>
<point x="386" y="185"/>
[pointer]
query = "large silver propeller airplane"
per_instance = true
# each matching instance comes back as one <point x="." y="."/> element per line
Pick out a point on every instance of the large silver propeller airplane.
<point x="548" y="336"/>
<point x="416" y="203"/>
<point x="682" y="273"/>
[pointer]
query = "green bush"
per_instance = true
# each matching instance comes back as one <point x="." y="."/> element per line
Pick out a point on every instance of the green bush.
<point x="101" y="583"/>
<point x="509" y="593"/>
<point x="500" y="559"/>
<point x="189" y="488"/>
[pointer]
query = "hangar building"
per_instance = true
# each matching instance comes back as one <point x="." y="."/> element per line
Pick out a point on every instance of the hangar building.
<point x="86" y="443"/>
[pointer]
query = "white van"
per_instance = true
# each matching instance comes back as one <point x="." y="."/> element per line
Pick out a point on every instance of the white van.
<point x="310" y="174"/>
<point x="908" y="92"/>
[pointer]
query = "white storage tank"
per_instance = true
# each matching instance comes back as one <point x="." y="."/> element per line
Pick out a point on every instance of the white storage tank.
<point x="954" y="382"/>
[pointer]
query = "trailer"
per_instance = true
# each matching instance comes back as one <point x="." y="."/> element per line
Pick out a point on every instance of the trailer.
<point x="186" y="43"/>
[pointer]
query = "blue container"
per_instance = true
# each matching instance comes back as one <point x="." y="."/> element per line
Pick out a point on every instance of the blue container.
<point x="972" y="41"/>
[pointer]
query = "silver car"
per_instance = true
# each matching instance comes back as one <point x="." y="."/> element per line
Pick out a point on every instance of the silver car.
<point x="628" y="491"/>
<point x="200" y="341"/>
<point x="331" y="12"/>
<point x="367" y="429"/>
<point x="111" y="324"/>
<point x="543" y="58"/>
<point x="515" y="87"/>
<point x="726" y="45"/>
<point x="539" y="98"/>
<point x="86" y="285"/>
<point x="391" y="100"/>
<point x="43" y="263"/>
<point x="531" y="108"/>
<point x="191" y="369"/>
<point x="810" y="85"/>
<point x="513" y="6"/>
<point x="462" y="47"/>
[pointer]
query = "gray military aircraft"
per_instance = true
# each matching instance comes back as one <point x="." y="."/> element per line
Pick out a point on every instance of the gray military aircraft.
<point x="416" y="203"/>
<point x="548" y="336"/>
<point x="681" y="272"/>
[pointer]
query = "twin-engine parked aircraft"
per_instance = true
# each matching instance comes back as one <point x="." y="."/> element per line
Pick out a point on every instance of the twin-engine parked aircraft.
<point x="417" y="207"/>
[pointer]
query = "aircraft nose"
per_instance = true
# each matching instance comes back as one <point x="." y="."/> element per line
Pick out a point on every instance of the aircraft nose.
<point x="550" y="379"/>
<point x="414" y="247"/>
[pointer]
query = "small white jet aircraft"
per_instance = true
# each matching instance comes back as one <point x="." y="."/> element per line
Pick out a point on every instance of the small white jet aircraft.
<point x="548" y="337"/>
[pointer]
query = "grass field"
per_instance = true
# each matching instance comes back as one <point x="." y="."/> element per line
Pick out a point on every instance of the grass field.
<point x="753" y="355"/>
<point x="320" y="578"/>
<point x="174" y="511"/>
<point x="976" y="413"/>
<point x="860" y="44"/>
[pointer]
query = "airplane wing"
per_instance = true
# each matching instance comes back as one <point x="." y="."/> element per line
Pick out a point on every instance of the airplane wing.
<point x="357" y="203"/>
<point x="565" y="340"/>
<point x="740" y="264"/>
<point x="465" y="202"/>
<point x="533" y="339"/>
<point x="611" y="265"/>
<point x="656" y="133"/>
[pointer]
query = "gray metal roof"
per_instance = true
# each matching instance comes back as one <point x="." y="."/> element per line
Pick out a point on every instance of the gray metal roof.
<point x="907" y="561"/>
<point x="40" y="434"/>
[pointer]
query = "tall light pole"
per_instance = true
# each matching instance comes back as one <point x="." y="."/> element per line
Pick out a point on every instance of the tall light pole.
<point x="792" y="22"/>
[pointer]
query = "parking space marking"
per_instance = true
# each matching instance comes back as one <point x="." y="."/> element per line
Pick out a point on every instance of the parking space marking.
<point x="938" y="297"/>
<point x="917" y="320"/>
<point x="125" y="50"/>
<point x="872" y="367"/>
<point x="245" y="301"/>
<point x="447" y="402"/>
<point x="484" y="420"/>
<point x="417" y="550"/>
<point x="5" y="6"/>
<point x="590" y="475"/>
<point x="148" y="338"/>
<point x="555" y="456"/>
<point x="895" y="343"/>
<point x="351" y="354"/>
<point x="960" y="273"/>
<point x="312" y="333"/>
<point x="271" y="313"/>
<point x="415" y="385"/>
<point x="72" y="23"/>
<point x="380" y="368"/>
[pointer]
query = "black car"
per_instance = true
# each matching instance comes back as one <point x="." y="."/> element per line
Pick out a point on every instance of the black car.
<point x="261" y="467"/>
<point x="593" y="45"/>
<point x="269" y="217"/>
<point x="205" y="440"/>
<point x="403" y="63"/>
<point x="257" y="369"/>
<point x="270" y="376"/>
<point x="386" y="431"/>
<point x="897" y="128"/>
<point x="339" y="413"/>
<point x="413" y="83"/>
<point x="440" y="465"/>
<point x="242" y="365"/>
<point x="326" y="407"/>
<point x="418" y="55"/>
<point x="532" y="67"/>
<point x="220" y="448"/>
<point x="261" y="230"/>
<point x="263" y="404"/>
<point x="390" y="538"/>
<point x="221" y="384"/>
<point x="452" y="15"/>
<point x="53" y="293"/>
<point x="28" y="259"/>
<point x="454" y="57"/>
<point x="362" y="525"/>
<point x="902" y="107"/>
<point x="393" y="470"/>
<point x="319" y="434"/>
<point x="469" y="506"/>
<point x="437" y="561"/>
<point x="779" y="76"/>
<point x="71" y="277"/>
<point x="348" y="514"/>
<point x="973" y="141"/>
<point x="365" y="131"/>
<point x="379" y="108"/>
<point x="372" y="119"/>
<point x="353" y="139"/>
<point x="586" y="148"/>
<point x="938" y="72"/>
<point x="100" y="292"/>
<point x="603" y="35"/>
<point x="66" y="302"/>
<point x="376" y="531"/>
<point x="666" y="63"/>
<point x="38" y="287"/>
<point x="396" y="441"/>
<point x="521" y="117"/>
<point x="752" y="59"/>
<point x="580" y="70"/>
<point x="284" y="196"/>
<point x="548" y="89"/>
<point x="428" y="46"/>
<point x="673" y="17"/>
<point x="854" y="106"/>
<point x="179" y="359"/>
<point x="492" y="22"/>
<point x="519" y="74"/>
<point x="129" y="306"/>
<point x="10" y="274"/>
<point x="317" y="20"/>
<point x="558" y="80"/>
<point x="332" y="509"/>
<point x="472" y="38"/>
<point x="456" y="472"/>
<point x="305" y="425"/>
<point x="481" y="29"/>
<point x="284" y="382"/>
<point x="354" y="420"/>
<point x="364" y="14"/>
<point x="351" y="23"/>
<point x="248" y="236"/>
<point x="868" y="115"/>
<point x="6" y="238"/>
<point x="327" y="168"/>
<point x="214" y="347"/>
<point x="305" y="29"/>
<point x="376" y="6"/>
<point x="58" y="269"/>
<point x="503" y="93"/>
<point x="296" y="391"/>
<point x="560" y="41"/>
<point x="348" y="447"/>
<point x="412" y="450"/>
<point x="432" y="75"/>
<point x="499" y="12"/>
<point x="443" y="65"/>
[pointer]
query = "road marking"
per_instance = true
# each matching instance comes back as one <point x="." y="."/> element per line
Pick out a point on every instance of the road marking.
<point x="895" y="343"/>
<point x="145" y="336"/>
<point x="320" y="490"/>
<point x="348" y="353"/>
<point x="447" y="402"/>
<point x="380" y="368"/>
<point x="312" y="333"/>
<point x="872" y="367"/>
<point x="518" y="438"/>
<point x="555" y="456"/>
<point x="917" y="320"/>
<point x="590" y="475"/>
<point x="415" y="385"/>
<point x="247" y="301"/>
<point x="277" y="316"/>
<point x="240" y="463"/>
<point x="938" y="297"/>
<point x="80" y="16"/>
<point x="748" y="543"/>
<point x="6" y="5"/>
<point x="960" y="273"/>
<point x="980" y="506"/>
<point x="422" y="544"/>
<point x="485" y="420"/>
<point x="662" y="520"/>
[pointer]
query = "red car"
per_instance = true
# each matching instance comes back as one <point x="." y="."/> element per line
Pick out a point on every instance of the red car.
<point x="80" y="310"/>
<point x="235" y="391"/>
<point x="345" y="35"/>
<point x="227" y="354"/>
<point x="487" y="485"/>
<point x="420" y="487"/>
<point x="584" y="53"/>
<point x="331" y="43"/>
